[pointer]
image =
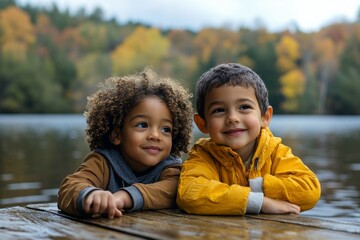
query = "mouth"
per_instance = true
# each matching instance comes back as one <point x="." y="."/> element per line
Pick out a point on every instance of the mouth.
<point x="152" y="149"/>
<point x="234" y="132"/>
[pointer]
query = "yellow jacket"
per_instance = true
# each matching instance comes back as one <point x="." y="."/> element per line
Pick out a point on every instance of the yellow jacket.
<point x="214" y="180"/>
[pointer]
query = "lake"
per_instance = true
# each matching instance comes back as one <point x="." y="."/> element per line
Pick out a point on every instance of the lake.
<point x="38" y="151"/>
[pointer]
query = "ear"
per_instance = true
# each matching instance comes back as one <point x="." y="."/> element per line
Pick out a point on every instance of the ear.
<point x="265" y="120"/>
<point x="115" y="137"/>
<point x="200" y="123"/>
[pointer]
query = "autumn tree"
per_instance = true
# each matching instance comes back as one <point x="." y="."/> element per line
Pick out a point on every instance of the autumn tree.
<point x="222" y="44"/>
<point x="17" y="33"/>
<point x="344" y="91"/>
<point x="329" y="44"/>
<point x="292" y="79"/>
<point x="95" y="35"/>
<point x="144" y="47"/>
<point x="258" y="52"/>
<point x="182" y="61"/>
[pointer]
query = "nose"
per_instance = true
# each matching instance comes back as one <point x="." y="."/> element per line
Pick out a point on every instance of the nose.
<point x="232" y="117"/>
<point x="154" y="134"/>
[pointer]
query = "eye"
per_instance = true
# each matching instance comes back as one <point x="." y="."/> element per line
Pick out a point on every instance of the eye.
<point x="217" y="110"/>
<point x="244" y="107"/>
<point x="166" y="130"/>
<point x="142" y="125"/>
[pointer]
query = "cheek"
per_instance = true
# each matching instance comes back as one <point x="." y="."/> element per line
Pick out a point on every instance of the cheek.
<point x="168" y="141"/>
<point x="168" y="144"/>
<point x="254" y="122"/>
<point x="133" y="138"/>
<point x="214" y="123"/>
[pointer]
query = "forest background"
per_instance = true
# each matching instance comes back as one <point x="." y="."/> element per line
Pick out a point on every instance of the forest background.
<point x="51" y="60"/>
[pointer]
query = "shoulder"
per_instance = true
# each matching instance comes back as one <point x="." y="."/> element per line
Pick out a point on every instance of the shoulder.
<point x="207" y="153"/>
<point x="96" y="160"/>
<point x="204" y="145"/>
<point x="173" y="170"/>
<point x="273" y="146"/>
<point x="267" y="140"/>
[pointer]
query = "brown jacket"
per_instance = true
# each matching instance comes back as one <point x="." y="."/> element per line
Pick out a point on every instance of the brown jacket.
<point x="94" y="172"/>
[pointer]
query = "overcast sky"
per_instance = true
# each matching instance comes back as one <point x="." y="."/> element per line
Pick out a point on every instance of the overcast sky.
<point x="275" y="15"/>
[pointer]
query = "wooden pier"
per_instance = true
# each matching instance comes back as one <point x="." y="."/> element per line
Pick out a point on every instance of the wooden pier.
<point x="45" y="221"/>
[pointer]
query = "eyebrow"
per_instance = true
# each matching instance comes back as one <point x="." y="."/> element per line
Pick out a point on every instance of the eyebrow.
<point x="145" y="116"/>
<point x="237" y="100"/>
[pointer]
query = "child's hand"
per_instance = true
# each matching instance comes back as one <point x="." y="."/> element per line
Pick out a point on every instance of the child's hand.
<point x="278" y="207"/>
<point x="123" y="200"/>
<point x="99" y="202"/>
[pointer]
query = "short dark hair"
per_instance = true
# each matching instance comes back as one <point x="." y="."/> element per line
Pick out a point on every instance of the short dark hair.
<point x="117" y="96"/>
<point x="230" y="74"/>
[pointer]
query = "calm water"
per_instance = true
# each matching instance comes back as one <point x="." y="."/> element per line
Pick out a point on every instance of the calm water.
<point x="38" y="151"/>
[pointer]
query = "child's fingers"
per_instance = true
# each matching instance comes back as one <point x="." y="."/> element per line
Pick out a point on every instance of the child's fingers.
<point x="88" y="203"/>
<point x="95" y="206"/>
<point x="292" y="208"/>
<point x="101" y="202"/>
<point x="117" y="213"/>
<point x="296" y="209"/>
<point x="111" y="209"/>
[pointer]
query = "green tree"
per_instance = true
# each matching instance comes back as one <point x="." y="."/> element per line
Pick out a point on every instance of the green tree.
<point x="25" y="88"/>
<point x="344" y="94"/>
<point x="260" y="49"/>
<point x="91" y="69"/>
<point x="95" y="35"/>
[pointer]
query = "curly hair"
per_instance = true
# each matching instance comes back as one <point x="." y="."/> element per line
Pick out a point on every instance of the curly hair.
<point x="117" y="96"/>
<point x="230" y="74"/>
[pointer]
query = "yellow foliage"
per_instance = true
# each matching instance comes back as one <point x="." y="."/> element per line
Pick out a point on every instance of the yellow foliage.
<point x="292" y="83"/>
<point x="284" y="64"/>
<point x="245" y="60"/>
<point x="142" y="48"/>
<point x="357" y="31"/>
<point x="325" y="49"/>
<point x="181" y="42"/>
<point x="205" y="41"/>
<point x="220" y="43"/>
<point x="292" y="86"/>
<point x="288" y="47"/>
<point x="265" y="37"/>
<point x="43" y="24"/>
<point x="17" y="32"/>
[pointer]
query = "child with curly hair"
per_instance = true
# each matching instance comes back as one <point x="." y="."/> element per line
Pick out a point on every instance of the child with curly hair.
<point x="242" y="168"/>
<point x="137" y="127"/>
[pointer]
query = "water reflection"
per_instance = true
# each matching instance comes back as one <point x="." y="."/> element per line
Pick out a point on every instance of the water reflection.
<point x="37" y="151"/>
<point x="329" y="146"/>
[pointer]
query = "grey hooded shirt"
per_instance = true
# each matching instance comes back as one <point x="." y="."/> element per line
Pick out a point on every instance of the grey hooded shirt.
<point x="122" y="177"/>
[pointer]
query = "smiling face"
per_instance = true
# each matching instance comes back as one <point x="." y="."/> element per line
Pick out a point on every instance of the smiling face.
<point x="233" y="118"/>
<point x="145" y="138"/>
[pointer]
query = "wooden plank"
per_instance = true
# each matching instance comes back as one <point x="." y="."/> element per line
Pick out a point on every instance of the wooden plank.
<point x="281" y="226"/>
<point x="25" y="223"/>
<point x="173" y="224"/>
<point x="349" y="227"/>
<point x="131" y="223"/>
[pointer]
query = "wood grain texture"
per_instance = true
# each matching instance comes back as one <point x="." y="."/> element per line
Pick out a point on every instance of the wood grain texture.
<point x="47" y="222"/>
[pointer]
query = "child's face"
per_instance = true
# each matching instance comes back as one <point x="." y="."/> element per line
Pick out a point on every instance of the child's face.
<point x="146" y="136"/>
<point x="233" y="117"/>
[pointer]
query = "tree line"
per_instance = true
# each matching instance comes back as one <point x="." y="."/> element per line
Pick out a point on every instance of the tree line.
<point x="51" y="60"/>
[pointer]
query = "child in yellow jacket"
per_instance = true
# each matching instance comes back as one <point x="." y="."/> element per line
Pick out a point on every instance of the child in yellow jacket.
<point x="242" y="168"/>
